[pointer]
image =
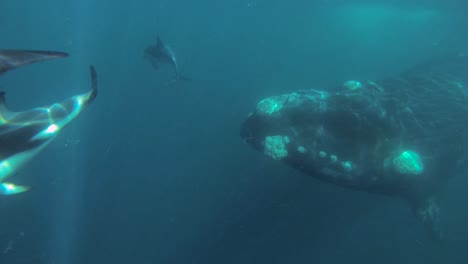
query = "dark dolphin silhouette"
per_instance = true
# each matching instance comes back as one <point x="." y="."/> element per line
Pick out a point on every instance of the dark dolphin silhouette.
<point x="161" y="53"/>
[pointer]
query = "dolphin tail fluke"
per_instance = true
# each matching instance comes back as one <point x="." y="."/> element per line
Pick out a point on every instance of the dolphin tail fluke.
<point x="12" y="59"/>
<point x="94" y="82"/>
<point x="8" y="188"/>
<point x="89" y="97"/>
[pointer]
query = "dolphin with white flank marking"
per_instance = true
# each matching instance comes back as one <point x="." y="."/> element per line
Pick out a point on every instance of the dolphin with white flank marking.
<point x="24" y="134"/>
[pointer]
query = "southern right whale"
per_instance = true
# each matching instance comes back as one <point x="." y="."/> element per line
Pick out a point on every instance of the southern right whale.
<point x="404" y="136"/>
<point x="24" y="134"/>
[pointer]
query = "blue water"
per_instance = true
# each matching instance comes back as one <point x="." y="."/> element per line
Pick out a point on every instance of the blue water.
<point x="155" y="172"/>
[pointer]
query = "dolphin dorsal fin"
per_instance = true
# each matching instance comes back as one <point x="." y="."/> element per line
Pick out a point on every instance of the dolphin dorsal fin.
<point x="159" y="44"/>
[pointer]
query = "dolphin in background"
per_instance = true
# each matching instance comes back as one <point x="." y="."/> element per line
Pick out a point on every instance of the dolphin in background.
<point x="161" y="53"/>
<point x="24" y="134"/>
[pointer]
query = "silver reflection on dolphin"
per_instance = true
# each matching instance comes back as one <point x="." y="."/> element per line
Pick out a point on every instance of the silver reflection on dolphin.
<point x="24" y="134"/>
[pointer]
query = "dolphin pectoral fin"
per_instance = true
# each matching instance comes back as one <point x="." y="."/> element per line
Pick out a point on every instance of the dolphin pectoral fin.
<point x="12" y="59"/>
<point x="8" y="188"/>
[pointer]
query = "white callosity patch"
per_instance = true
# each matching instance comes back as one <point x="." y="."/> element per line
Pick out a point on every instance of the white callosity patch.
<point x="408" y="162"/>
<point x="274" y="104"/>
<point x="270" y="105"/>
<point x="301" y="149"/>
<point x="275" y="146"/>
<point x="352" y="85"/>
<point x="347" y="165"/>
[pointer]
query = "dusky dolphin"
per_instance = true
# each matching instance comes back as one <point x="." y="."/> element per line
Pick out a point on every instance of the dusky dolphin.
<point x="24" y="134"/>
<point x="12" y="59"/>
<point x="161" y="53"/>
<point x="404" y="136"/>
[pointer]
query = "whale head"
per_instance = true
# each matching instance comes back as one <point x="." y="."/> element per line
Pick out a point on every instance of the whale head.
<point x="346" y="137"/>
<point x="354" y="136"/>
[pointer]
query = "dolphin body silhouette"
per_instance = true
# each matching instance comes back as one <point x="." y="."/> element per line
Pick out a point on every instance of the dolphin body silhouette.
<point x="404" y="136"/>
<point x="161" y="53"/>
<point x="24" y="134"/>
<point x="12" y="59"/>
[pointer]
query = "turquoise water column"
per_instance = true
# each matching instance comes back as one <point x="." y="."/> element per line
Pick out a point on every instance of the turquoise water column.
<point x="67" y="209"/>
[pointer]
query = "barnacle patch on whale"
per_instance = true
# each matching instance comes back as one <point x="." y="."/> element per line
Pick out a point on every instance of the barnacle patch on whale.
<point x="408" y="162"/>
<point x="275" y="146"/>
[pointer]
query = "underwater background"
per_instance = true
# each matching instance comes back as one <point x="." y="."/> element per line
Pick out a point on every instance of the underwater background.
<point x="155" y="172"/>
